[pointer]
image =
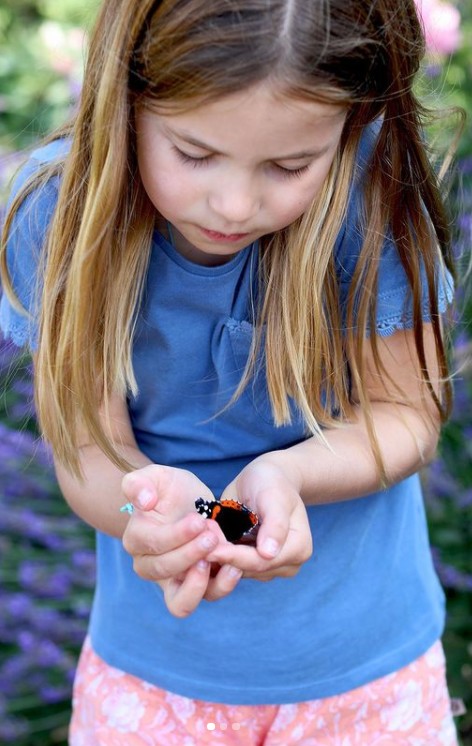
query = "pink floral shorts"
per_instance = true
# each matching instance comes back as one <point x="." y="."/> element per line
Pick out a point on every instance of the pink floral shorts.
<point x="407" y="708"/>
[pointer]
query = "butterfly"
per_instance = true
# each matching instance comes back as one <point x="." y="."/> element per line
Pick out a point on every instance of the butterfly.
<point x="235" y="519"/>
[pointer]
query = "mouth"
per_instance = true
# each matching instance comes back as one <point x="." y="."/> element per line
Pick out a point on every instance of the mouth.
<point x="223" y="237"/>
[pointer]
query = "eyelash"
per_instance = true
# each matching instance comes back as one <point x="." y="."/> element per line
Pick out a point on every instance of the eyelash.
<point x="286" y="173"/>
<point x="192" y="161"/>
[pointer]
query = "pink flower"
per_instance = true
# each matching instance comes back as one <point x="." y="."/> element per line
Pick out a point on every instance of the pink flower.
<point x="123" y="711"/>
<point x="406" y="709"/>
<point x="441" y="25"/>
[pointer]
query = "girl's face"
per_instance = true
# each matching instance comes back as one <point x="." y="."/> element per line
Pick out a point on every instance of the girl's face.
<point x="228" y="172"/>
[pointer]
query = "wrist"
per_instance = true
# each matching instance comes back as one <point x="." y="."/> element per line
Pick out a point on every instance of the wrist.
<point x="285" y="461"/>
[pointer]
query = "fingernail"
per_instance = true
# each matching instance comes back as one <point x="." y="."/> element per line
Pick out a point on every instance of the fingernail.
<point x="208" y="541"/>
<point x="270" y="547"/>
<point x="233" y="572"/>
<point x="144" y="498"/>
<point x="198" y="523"/>
<point x="203" y="565"/>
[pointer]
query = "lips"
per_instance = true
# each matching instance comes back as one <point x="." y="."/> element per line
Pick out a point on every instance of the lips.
<point x="229" y="237"/>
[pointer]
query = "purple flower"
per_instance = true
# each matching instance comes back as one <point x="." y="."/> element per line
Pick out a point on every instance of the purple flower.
<point x="433" y="70"/>
<point x="83" y="561"/>
<point x="439" y="482"/>
<point x="47" y="582"/>
<point x="464" y="499"/>
<point x="17" y="606"/>
<point x="14" y="669"/>
<point x="52" y="694"/>
<point x="465" y="165"/>
<point x="8" y="354"/>
<point x="465" y="222"/>
<point x="27" y="641"/>
<point x="12" y="729"/>
<point x="449" y="575"/>
<point x="48" y="654"/>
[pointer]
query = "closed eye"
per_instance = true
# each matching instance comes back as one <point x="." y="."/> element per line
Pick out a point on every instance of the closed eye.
<point x="197" y="161"/>
<point x="193" y="160"/>
<point x="288" y="173"/>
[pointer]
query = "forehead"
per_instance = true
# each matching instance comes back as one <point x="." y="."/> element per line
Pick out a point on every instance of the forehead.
<point x="261" y="121"/>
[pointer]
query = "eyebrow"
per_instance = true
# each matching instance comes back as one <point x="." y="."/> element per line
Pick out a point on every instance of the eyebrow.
<point x="186" y="137"/>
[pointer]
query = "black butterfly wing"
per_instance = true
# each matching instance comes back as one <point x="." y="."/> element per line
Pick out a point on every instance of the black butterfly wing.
<point x="234" y="519"/>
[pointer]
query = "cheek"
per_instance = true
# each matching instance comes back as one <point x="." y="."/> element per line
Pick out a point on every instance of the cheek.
<point x="305" y="193"/>
<point x="163" y="183"/>
<point x="160" y="175"/>
<point x="291" y="204"/>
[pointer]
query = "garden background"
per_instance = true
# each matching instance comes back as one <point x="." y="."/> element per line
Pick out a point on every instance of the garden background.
<point x="47" y="555"/>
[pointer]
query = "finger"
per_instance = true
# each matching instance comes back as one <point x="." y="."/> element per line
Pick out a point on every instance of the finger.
<point x="246" y="558"/>
<point x="146" y="533"/>
<point x="274" y="521"/>
<point x="140" y="490"/>
<point x="223" y="583"/>
<point x="285" y="571"/>
<point x="298" y="546"/>
<point x="161" y="487"/>
<point x="296" y="550"/>
<point x="274" y="526"/>
<point x="146" y="488"/>
<point x="174" y="563"/>
<point x="250" y="556"/>
<point x="182" y="598"/>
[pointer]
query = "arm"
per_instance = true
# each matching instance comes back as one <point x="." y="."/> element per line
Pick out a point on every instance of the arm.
<point x="407" y="430"/>
<point x="168" y="541"/>
<point x="277" y="484"/>
<point x="98" y="498"/>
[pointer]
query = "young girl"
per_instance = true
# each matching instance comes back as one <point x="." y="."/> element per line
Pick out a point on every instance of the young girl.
<point x="234" y="262"/>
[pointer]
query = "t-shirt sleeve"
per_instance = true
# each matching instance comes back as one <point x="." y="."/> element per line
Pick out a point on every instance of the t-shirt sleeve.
<point x="26" y="239"/>
<point x="394" y="299"/>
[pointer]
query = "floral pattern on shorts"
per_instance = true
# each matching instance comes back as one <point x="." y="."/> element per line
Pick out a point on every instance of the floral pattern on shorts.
<point x="410" y="707"/>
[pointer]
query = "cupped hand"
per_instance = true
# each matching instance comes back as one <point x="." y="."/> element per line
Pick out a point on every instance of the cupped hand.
<point x="284" y="541"/>
<point x="169" y="541"/>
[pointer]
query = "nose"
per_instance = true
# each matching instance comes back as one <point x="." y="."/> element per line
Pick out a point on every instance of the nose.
<point x="235" y="201"/>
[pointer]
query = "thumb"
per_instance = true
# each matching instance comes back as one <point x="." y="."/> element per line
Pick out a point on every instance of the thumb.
<point x="230" y="492"/>
<point x="274" y="519"/>
<point x="140" y="491"/>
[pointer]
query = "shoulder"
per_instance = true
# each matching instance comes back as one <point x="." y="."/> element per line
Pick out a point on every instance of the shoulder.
<point x="351" y="236"/>
<point x="40" y="161"/>
<point x="394" y="294"/>
<point x="36" y="186"/>
<point x="367" y="143"/>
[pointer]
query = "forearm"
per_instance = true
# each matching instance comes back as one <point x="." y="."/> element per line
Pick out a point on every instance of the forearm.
<point x="98" y="498"/>
<point x="347" y="468"/>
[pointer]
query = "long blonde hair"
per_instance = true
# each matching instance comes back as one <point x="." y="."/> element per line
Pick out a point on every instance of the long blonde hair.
<point x="182" y="53"/>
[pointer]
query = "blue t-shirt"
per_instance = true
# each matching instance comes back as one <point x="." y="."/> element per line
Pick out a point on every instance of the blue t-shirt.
<point x="365" y="604"/>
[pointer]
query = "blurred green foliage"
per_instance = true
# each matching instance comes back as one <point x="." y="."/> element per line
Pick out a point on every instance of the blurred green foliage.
<point x="41" y="64"/>
<point x="447" y="84"/>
